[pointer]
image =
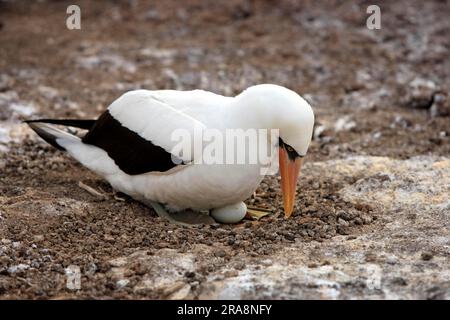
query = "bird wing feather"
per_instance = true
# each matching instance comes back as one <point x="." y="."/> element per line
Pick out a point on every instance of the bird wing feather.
<point x="145" y="131"/>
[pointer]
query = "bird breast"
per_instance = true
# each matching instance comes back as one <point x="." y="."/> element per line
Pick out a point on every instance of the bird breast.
<point x="197" y="186"/>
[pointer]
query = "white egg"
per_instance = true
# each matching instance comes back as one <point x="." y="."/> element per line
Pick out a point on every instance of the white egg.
<point x="230" y="214"/>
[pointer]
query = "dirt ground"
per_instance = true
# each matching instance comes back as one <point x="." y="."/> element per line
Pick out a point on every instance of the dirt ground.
<point x="382" y="105"/>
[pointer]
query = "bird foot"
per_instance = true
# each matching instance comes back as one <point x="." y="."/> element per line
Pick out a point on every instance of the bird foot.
<point x="185" y="218"/>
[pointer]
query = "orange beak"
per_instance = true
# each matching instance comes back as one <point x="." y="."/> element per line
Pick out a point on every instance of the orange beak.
<point x="289" y="170"/>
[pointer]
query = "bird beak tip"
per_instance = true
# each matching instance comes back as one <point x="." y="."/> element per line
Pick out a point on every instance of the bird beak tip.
<point x="287" y="213"/>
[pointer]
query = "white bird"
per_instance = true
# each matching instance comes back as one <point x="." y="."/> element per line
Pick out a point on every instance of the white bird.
<point x="131" y="146"/>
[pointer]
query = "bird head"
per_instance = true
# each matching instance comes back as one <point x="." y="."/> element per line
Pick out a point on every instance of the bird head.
<point x="295" y="136"/>
<point x="283" y="109"/>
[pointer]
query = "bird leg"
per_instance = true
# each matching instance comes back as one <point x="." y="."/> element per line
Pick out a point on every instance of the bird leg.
<point x="185" y="218"/>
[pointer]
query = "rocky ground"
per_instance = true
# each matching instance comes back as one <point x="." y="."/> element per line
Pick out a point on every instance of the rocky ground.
<point x="372" y="217"/>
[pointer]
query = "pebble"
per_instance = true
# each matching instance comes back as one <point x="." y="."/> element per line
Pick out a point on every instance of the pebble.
<point x="347" y="216"/>
<point x="122" y="283"/>
<point x="342" y="230"/>
<point x="231" y="273"/>
<point x="399" y="281"/>
<point x="370" y="257"/>
<point x="392" y="260"/>
<point x="267" y="262"/>
<point x="289" y="236"/>
<point x="181" y="293"/>
<point x="6" y="241"/>
<point x="440" y="106"/>
<point x="366" y="219"/>
<point x="18" y="268"/>
<point x="91" y="269"/>
<point x="426" y="256"/>
<point x="118" y="262"/>
<point x="420" y="94"/>
<point x="173" y="287"/>
<point x="220" y="253"/>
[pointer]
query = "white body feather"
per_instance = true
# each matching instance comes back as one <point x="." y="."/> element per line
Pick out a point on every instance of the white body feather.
<point x="155" y="114"/>
<point x="196" y="186"/>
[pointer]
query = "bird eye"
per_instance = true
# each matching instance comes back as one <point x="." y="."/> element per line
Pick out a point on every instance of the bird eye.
<point x="290" y="149"/>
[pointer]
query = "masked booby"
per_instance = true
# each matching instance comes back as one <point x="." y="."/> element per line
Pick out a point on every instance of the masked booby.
<point x="131" y="146"/>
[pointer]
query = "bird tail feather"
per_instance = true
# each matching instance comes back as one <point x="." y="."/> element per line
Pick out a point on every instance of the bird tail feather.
<point x="55" y="136"/>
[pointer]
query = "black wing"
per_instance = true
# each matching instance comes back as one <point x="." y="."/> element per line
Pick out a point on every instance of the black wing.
<point x="132" y="153"/>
